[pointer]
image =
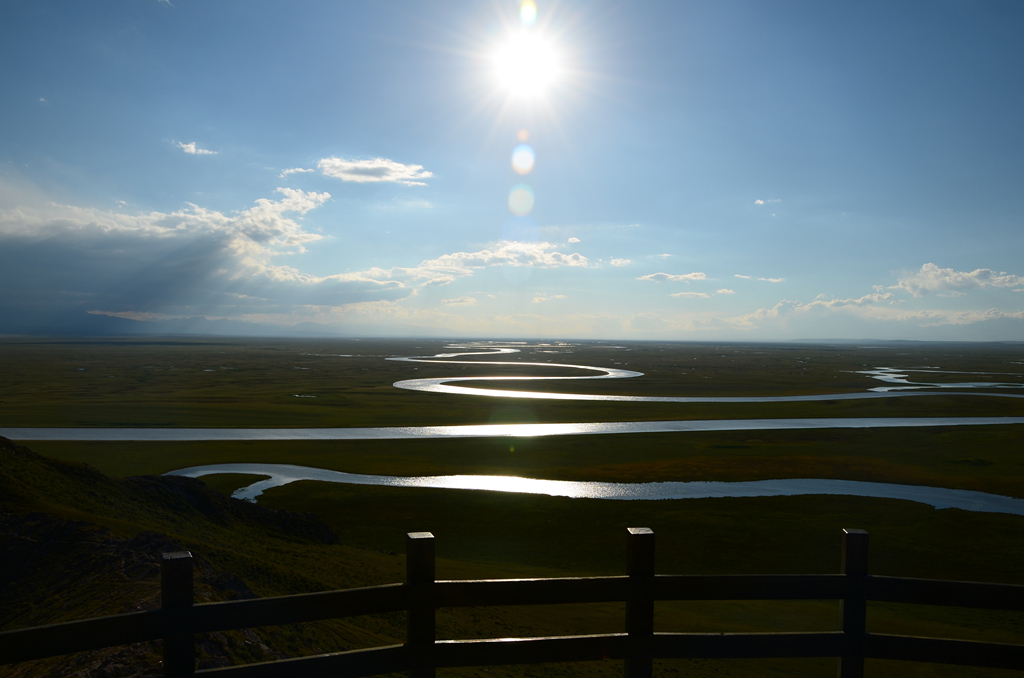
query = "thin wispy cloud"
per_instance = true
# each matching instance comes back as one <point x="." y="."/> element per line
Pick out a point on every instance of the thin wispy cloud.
<point x="294" y="170"/>
<point x="787" y="306"/>
<point x="460" y="301"/>
<point x="873" y="307"/>
<point x="621" y="262"/>
<point x="374" y="171"/>
<point x="725" y="291"/>
<point x="750" y="277"/>
<point x="192" y="149"/>
<point x="541" y="297"/>
<point x="448" y="268"/>
<point x="669" y="277"/>
<point x="691" y="295"/>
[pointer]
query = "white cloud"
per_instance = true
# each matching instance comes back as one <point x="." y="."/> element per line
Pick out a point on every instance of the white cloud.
<point x="459" y="301"/>
<point x="860" y="301"/>
<point x="375" y="170"/>
<point x="664" y="256"/>
<point x="449" y="267"/>
<point x="262" y="227"/>
<point x="789" y="306"/>
<point x="542" y="297"/>
<point x="191" y="262"/>
<point x="759" y="202"/>
<point x="750" y="277"/>
<point x="574" y="240"/>
<point x="871" y="307"/>
<point x="294" y="170"/>
<point x="931" y="278"/>
<point x="691" y="295"/>
<point x="192" y="149"/>
<point x="621" y="262"/>
<point x="725" y="291"/>
<point x="936" y="318"/>
<point x="668" y="277"/>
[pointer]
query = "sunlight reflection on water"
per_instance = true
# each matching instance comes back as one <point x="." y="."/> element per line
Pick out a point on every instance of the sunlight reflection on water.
<point x="890" y="375"/>
<point x="937" y="497"/>
<point x="490" y="430"/>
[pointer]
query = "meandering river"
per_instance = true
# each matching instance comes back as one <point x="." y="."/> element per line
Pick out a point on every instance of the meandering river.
<point x="938" y="497"/>
<point x="899" y="386"/>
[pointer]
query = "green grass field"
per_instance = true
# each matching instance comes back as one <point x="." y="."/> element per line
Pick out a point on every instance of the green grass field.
<point x="480" y="534"/>
<point x="251" y="383"/>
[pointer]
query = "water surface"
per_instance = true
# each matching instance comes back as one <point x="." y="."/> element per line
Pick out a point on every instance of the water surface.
<point x="489" y="430"/>
<point x="937" y="497"/>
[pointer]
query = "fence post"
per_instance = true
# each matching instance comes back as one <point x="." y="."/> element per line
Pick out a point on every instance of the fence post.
<point x="419" y="571"/>
<point x="854" y="607"/>
<point x="176" y="592"/>
<point x="640" y="608"/>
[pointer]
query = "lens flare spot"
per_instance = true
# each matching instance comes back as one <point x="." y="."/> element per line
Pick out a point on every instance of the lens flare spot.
<point x="520" y="200"/>
<point x="528" y="12"/>
<point x="523" y="158"/>
<point x="523" y="135"/>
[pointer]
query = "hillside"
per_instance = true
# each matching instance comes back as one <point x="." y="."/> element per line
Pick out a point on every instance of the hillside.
<point x="75" y="543"/>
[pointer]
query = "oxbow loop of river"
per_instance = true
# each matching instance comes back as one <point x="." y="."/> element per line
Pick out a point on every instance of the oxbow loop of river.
<point x="899" y="387"/>
<point x="939" y="498"/>
<point x="902" y="387"/>
<point x="898" y="382"/>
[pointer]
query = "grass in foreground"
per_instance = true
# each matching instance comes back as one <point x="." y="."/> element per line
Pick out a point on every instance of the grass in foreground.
<point x="488" y="535"/>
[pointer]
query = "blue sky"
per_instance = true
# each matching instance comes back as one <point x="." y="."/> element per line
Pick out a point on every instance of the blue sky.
<point x="704" y="171"/>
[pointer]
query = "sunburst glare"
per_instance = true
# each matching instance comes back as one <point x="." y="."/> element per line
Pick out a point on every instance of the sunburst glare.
<point x="527" y="65"/>
<point x="528" y="12"/>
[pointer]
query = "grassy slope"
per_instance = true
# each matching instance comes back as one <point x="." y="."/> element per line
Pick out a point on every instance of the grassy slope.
<point x="586" y="537"/>
<point x="79" y="524"/>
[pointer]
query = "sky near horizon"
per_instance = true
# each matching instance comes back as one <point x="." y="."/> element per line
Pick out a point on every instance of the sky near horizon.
<point x="735" y="170"/>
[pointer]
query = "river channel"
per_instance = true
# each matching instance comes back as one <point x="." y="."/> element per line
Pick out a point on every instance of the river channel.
<point x="938" y="497"/>
<point x="898" y="386"/>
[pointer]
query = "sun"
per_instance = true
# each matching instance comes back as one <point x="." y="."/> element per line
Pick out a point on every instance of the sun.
<point x="527" y="65"/>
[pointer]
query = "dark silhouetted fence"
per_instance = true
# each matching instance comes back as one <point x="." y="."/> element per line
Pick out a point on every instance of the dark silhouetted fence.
<point x="178" y="619"/>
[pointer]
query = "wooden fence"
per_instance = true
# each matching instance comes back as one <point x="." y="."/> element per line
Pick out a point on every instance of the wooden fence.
<point x="178" y="619"/>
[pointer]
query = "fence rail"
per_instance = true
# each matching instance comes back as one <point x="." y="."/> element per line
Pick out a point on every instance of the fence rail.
<point x="178" y="620"/>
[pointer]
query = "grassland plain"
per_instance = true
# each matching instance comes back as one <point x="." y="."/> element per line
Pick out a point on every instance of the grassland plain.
<point x="254" y="383"/>
<point x="266" y="383"/>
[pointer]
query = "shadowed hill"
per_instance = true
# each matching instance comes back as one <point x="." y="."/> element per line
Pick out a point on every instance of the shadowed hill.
<point x="29" y="481"/>
<point x="75" y="543"/>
